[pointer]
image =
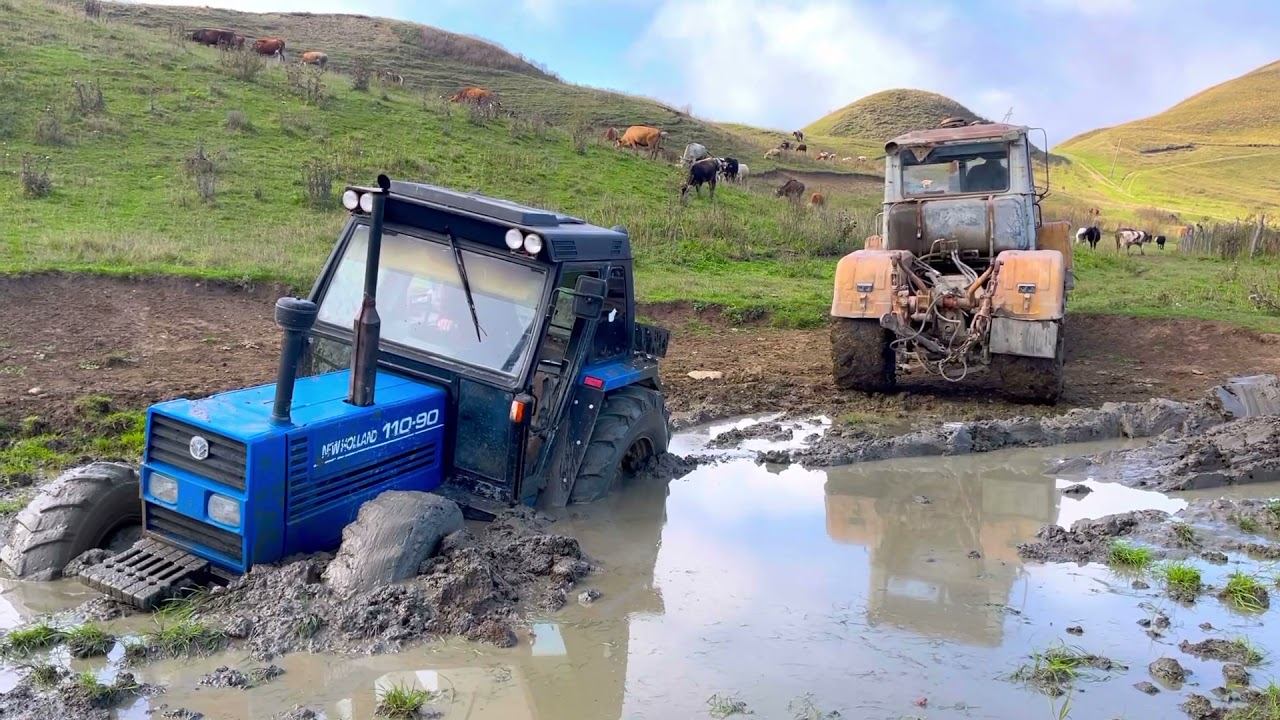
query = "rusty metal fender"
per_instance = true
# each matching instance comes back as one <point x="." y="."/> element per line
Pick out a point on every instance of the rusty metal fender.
<point x="865" y="283"/>
<point x="1056" y="235"/>
<point x="1030" y="285"/>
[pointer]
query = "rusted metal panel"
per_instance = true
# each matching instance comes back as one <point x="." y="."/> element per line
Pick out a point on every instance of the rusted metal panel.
<point x="864" y="284"/>
<point x="987" y="227"/>
<point x="1030" y="338"/>
<point x="1030" y="285"/>
<point x="933" y="136"/>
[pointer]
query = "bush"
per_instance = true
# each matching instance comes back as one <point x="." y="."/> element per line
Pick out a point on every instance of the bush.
<point x="307" y="82"/>
<point x="87" y="97"/>
<point x="93" y="9"/>
<point x="49" y="129"/>
<point x="237" y="121"/>
<point x="318" y="176"/>
<point x="203" y="171"/>
<point x="34" y="175"/>
<point x="580" y="134"/>
<point x="360" y="76"/>
<point x="241" y="64"/>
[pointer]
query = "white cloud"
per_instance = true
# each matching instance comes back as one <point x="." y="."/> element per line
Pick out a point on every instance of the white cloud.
<point x="1090" y="8"/>
<point x="775" y="62"/>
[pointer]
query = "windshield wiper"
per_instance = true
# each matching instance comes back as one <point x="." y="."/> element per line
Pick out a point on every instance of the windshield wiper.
<point x="466" y="284"/>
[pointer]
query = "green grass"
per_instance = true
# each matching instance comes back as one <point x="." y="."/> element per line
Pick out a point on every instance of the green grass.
<point x="1246" y="523"/>
<point x="1245" y="592"/>
<point x="32" y="638"/>
<point x="87" y="687"/>
<point x="1262" y="705"/>
<point x="1185" y="534"/>
<point x="402" y="701"/>
<point x="99" y="431"/>
<point x="1181" y="579"/>
<point x="184" y="637"/>
<point x="1053" y="670"/>
<point x="1127" y="556"/>
<point x="44" y="675"/>
<point x="89" y="641"/>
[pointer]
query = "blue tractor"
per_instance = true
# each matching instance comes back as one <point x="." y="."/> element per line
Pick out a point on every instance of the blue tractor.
<point x="454" y="343"/>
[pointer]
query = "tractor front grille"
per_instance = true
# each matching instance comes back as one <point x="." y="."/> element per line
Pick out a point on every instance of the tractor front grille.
<point x="170" y="442"/>
<point x="188" y="531"/>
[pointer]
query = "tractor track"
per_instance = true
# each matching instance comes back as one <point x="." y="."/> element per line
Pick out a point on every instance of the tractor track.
<point x="137" y="341"/>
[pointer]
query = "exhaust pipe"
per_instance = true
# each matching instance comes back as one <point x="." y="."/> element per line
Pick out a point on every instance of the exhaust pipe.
<point x="368" y="326"/>
<point x="295" y="317"/>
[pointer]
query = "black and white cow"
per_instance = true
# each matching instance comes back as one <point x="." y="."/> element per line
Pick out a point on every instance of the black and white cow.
<point x="1089" y="235"/>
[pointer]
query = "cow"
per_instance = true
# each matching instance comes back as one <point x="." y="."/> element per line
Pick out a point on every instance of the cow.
<point x="784" y="145"/>
<point x="1160" y="240"/>
<point x="390" y="77"/>
<point x="792" y="188"/>
<point x="315" y="57"/>
<point x="1089" y="235"/>
<point x="802" y="148"/>
<point x="729" y="168"/>
<point x="743" y="170"/>
<point x="846" y="159"/>
<point x="472" y="95"/>
<point x="772" y="153"/>
<point x="219" y="37"/>
<point x="611" y="135"/>
<point x="824" y="155"/>
<point x="798" y="135"/>
<point x="700" y="172"/>
<point x="1130" y="238"/>
<point x="642" y="136"/>
<point x="693" y="152"/>
<point x="817" y="200"/>
<point x="270" y="46"/>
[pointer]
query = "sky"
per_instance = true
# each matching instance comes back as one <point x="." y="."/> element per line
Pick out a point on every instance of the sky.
<point x="1065" y="65"/>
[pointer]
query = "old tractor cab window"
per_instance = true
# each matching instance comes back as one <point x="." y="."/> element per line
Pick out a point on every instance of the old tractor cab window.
<point x="423" y="305"/>
<point x="955" y="169"/>
<point x="611" y="335"/>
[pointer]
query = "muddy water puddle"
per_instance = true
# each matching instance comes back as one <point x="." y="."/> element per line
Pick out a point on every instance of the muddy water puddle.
<point x="881" y="590"/>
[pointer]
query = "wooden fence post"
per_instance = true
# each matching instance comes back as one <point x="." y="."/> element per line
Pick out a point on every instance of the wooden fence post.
<point x="1257" y="234"/>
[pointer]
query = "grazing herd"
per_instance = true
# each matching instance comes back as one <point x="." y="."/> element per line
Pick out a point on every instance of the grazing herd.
<point x="1126" y="238"/>
<point x="273" y="47"/>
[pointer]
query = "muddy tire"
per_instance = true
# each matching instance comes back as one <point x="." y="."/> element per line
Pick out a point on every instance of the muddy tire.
<point x="861" y="356"/>
<point x="1032" y="380"/>
<point x="85" y="508"/>
<point x="630" y="430"/>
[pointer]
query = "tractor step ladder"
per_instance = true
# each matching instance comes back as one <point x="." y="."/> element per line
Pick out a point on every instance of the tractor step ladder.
<point x="146" y="574"/>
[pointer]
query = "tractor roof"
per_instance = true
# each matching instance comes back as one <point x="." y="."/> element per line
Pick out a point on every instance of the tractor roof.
<point x="936" y="136"/>
<point x="485" y="219"/>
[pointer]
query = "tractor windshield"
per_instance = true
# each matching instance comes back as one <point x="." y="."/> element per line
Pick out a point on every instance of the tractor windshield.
<point x="423" y="305"/>
<point x="955" y="169"/>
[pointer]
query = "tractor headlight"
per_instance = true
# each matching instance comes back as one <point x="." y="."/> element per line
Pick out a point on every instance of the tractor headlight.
<point x="366" y="202"/>
<point x="532" y="244"/>
<point x="351" y="200"/>
<point x="163" y="488"/>
<point x="514" y="239"/>
<point x="224" y="510"/>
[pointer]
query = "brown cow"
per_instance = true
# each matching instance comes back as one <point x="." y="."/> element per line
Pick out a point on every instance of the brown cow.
<point x="218" y="37"/>
<point x="802" y="148"/>
<point x="315" y="57"/>
<point x="798" y="135"/>
<point x="792" y="188"/>
<point x="642" y="136"/>
<point x="474" y="96"/>
<point x="270" y="46"/>
<point x="611" y="135"/>
<point x="817" y="200"/>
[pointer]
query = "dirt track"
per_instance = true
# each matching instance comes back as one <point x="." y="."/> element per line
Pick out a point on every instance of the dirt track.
<point x="142" y="341"/>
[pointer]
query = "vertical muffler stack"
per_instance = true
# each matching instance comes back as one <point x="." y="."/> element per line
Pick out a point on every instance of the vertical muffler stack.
<point x="368" y="326"/>
<point x="296" y="318"/>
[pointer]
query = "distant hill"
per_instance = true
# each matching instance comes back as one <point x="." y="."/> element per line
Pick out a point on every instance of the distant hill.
<point x="1215" y="154"/>
<point x="885" y="115"/>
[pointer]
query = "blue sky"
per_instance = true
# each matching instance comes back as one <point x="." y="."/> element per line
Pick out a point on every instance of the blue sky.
<point x="1066" y="65"/>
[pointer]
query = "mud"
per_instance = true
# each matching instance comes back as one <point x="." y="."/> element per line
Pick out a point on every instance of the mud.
<point x="72" y="697"/>
<point x="1168" y="672"/>
<point x="228" y="677"/>
<point x="478" y="586"/>
<point x="1224" y="650"/>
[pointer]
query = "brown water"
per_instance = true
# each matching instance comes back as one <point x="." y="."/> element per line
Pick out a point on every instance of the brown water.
<point x="780" y="587"/>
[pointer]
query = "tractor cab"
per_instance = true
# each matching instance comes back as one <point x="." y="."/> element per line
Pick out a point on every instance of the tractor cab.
<point x="453" y="343"/>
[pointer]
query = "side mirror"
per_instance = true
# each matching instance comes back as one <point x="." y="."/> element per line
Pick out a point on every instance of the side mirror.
<point x="588" y="297"/>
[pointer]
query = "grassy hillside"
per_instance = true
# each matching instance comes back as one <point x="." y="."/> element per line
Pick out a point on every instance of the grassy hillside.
<point x="185" y="168"/>
<point x="887" y="114"/>
<point x="1214" y="155"/>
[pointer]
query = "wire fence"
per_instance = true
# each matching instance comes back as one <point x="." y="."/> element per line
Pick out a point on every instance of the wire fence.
<point x="1241" y="239"/>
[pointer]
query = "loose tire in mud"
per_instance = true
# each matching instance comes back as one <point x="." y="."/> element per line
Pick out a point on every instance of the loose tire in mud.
<point x="862" y="358"/>
<point x="92" y="506"/>
<point x="1029" y="379"/>
<point x="630" y="430"/>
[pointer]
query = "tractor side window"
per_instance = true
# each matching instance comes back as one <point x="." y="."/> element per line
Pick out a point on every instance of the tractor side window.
<point x="612" y="338"/>
<point x="555" y="344"/>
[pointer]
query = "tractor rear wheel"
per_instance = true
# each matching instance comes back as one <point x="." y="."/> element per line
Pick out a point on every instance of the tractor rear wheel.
<point x="630" y="430"/>
<point x="861" y="354"/>
<point x="94" y="506"/>
<point x="1032" y="379"/>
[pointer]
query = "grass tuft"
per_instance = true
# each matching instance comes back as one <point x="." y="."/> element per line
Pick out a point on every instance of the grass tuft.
<point x="1056" y="668"/>
<point x="44" y="675"/>
<point x="1246" y="523"/>
<point x="184" y="637"/>
<point x="1185" y="534"/>
<point x="1125" y="555"/>
<point x="402" y="701"/>
<point x="89" y="641"/>
<point x="1245" y="592"/>
<point x="25" y="641"/>
<point x="1181" y="579"/>
<point x="722" y="706"/>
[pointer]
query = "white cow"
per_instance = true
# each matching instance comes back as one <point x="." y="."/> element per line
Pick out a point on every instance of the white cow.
<point x="693" y="152"/>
